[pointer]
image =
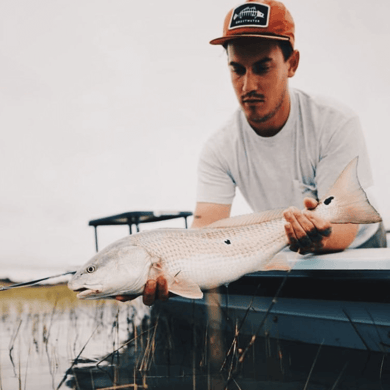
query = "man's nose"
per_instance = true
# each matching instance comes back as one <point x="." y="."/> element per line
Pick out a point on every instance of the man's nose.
<point x="249" y="82"/>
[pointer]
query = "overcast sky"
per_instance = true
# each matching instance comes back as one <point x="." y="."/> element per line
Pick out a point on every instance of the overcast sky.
<point x="105" y="106"/>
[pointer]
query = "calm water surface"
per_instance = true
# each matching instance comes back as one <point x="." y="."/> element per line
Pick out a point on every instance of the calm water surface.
<point x="49" y="340"/>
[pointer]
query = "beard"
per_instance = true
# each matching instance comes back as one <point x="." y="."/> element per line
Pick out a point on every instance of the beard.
<point x="271" y="114"/>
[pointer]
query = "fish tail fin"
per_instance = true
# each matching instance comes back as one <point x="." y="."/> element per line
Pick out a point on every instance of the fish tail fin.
<point x="346" y="201"/>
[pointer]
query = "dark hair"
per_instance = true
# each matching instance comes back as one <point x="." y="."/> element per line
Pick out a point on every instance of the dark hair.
<point x="285" y="47"/>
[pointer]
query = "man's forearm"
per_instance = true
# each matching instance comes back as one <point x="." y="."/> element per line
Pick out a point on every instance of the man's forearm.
<point x="307" y="232"/>
<point x="207" y="213"/>
<point x="341" y="237"/>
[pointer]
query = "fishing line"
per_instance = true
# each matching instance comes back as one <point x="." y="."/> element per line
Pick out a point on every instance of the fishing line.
<point x="31" y="283"/>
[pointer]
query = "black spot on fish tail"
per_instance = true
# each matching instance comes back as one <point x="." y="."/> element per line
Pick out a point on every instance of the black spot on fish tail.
<point x="328" y="200"/>
<point x="227" y="242"/>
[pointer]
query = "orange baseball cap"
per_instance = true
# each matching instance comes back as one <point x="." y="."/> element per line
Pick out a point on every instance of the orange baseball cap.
<point x="269" y="19"/>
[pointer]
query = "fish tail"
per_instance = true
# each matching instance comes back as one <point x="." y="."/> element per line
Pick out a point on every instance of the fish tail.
<point x="346" y="201"/>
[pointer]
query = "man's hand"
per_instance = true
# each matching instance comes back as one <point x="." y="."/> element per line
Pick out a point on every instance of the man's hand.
<point x="154" y="289"/>
<point x="306" y="232"/>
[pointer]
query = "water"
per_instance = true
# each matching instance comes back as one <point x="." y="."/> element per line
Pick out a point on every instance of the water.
<point x="44" y="329"/>
<point x="50" y="340"/>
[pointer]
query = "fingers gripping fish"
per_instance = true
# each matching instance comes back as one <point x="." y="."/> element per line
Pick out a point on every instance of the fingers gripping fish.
<point x="193" y="260"/>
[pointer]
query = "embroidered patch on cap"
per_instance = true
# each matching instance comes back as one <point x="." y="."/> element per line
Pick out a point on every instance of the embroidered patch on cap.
<point x="250" y="15"/>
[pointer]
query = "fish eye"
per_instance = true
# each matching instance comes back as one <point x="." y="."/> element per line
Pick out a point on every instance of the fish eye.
<point x="328" y="200"/>
<point x="91" y="269"/>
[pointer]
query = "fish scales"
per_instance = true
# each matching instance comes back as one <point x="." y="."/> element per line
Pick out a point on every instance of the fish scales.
<point x="204" y="255"/>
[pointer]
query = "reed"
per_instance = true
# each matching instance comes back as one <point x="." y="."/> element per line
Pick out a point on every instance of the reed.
<point x="50" y="339"/>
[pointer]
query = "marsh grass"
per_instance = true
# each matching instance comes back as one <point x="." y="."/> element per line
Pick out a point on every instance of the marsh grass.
<point x="44" y="329"/>
<point x="51" y="340"/>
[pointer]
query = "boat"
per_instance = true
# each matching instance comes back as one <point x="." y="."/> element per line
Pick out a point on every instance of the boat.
<point x="136" y="218"/>
<point x="340" y="299"/>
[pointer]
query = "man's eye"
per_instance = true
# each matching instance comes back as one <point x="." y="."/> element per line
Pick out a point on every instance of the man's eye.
<point x="238" y="70"/>
<point x="261" y="69"/>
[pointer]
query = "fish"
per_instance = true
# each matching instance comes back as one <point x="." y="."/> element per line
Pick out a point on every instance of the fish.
<point x="250" y="12"/>
<point x="195" y="260"/>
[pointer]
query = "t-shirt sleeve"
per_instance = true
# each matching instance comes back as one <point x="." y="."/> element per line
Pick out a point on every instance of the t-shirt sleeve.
<point x="215" y="183"/>
<point x="337" y="150"/>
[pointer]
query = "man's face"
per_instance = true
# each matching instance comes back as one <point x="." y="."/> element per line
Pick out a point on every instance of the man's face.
<point x="260" y="75"/>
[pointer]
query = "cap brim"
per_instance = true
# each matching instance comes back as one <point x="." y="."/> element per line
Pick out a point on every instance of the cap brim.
<point x="222" y="40"/>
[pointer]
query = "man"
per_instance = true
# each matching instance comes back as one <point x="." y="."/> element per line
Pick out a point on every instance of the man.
<point x="282" y="147"/>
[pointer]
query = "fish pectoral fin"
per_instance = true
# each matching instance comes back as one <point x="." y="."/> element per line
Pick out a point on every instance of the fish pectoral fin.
<point x="184" y="287"/>
<point x="278" y="263"/>
<point x="156" y="270"/>
<point x="177" y="284"/>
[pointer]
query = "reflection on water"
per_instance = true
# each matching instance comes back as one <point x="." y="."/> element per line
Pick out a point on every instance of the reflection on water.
<point x="49" y="340"/>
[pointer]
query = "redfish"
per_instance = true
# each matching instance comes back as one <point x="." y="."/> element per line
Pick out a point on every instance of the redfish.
<point x="193" y="260"/>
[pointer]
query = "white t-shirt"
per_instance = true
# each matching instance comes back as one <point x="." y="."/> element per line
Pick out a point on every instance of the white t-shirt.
<point x="320" y="137"/>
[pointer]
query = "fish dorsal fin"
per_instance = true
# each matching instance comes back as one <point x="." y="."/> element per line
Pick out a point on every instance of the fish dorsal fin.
<point x="177" y="284"/>
<point x="247" y="219"/>
<point x="350" y="198"/>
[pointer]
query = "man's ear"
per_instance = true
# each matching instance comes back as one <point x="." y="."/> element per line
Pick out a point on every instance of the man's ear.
<point x="293" y="63"/>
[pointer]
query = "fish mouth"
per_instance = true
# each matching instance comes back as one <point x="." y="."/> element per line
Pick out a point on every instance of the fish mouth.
<point x="84" y="292"/>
